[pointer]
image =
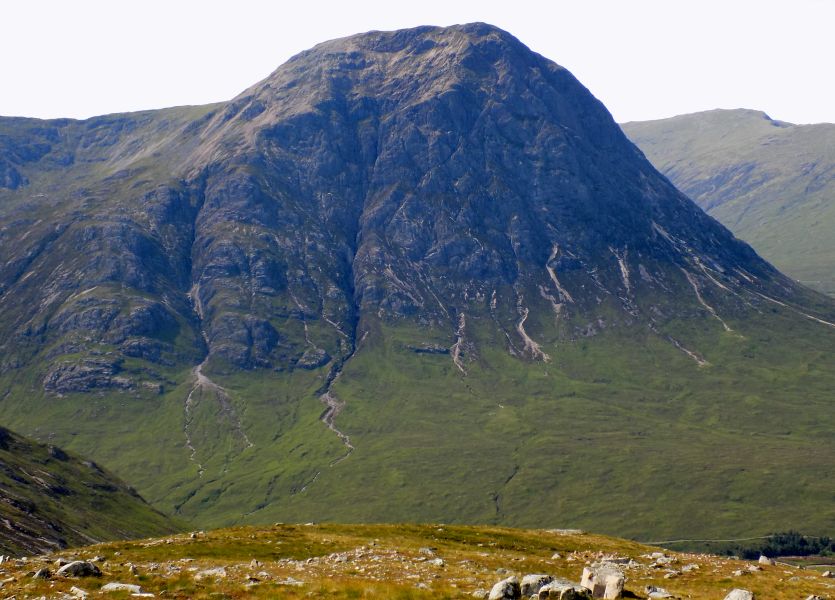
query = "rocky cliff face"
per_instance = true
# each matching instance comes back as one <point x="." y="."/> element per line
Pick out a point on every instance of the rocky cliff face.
<point x="423" y="175"/>
<point x="439" y="196"/>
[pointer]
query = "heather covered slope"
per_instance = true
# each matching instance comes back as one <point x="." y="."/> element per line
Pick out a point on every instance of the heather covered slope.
<point x="50" y="500"/>
<point x="415" y="275"/>
<point x="772" y="183"/>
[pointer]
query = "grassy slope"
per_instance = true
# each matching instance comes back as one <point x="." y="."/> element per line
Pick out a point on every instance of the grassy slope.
<point x="346" y="561"/>
<point x="50" y="499"/>
<point x="771" y="183"/>
<point x="620" y="432"/>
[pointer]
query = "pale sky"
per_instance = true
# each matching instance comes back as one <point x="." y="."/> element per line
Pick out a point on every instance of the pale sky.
<point x="644" y="59"/>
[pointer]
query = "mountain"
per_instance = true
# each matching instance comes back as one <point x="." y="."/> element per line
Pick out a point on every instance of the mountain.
<point x="50" y="499"/>
<point x="417" y="275"/>
<point x="772" y="183"/>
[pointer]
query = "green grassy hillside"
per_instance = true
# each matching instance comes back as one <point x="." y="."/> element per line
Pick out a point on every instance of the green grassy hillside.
<point x="771" y="183"/>
<point x="620" y="432"/>
<point x="50" y="499"/>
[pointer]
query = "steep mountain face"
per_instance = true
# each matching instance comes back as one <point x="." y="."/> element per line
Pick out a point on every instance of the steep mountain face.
<point x="410" y="275"/>
<point x="772" y="183"/>
<point x="50" y="499"/>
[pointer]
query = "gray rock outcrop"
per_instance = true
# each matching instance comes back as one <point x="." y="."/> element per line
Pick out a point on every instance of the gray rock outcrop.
<point x="506" y="589"/>
<point x="79" y="568"/>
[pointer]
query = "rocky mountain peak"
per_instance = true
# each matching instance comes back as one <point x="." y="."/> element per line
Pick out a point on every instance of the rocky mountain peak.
<point x="434" y="175"/>
<point x="434" y="247"/>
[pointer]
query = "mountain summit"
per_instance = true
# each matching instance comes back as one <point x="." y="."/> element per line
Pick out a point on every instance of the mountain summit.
<point x="410" y="275"/>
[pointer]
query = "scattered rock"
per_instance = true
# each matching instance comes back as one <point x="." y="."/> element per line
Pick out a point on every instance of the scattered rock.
<point x="78" y="592"/>
<point x="255" y="564"/>
<point x="531" y="584"/>
<point x="482" y="594"/>
<point x="427" y="551"/>
<point x="79" y="568"/>
<point x="121" y="587"/>
<point x="564" y="590"/>
<point x="657" y="592"/>
<point x="506" y="589"/>
<point x="739" y="594"/>
<point x="438" y="562"/>
<point x="42" y="574"/>
<point x="556" y="556"/>
<point x="690" y="567"/>
<point x="216" y="573"/>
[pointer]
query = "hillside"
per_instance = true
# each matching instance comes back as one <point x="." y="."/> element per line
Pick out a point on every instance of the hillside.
<point x="398" y="561"/>
<point x="772" y="183"/>
<point x="413" y="275"/>
<point x="50" y="500"/>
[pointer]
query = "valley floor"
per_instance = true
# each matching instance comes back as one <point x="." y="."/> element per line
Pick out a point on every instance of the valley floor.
<point x="389" y="561"/>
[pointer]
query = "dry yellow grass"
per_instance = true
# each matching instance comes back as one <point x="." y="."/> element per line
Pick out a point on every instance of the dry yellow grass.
<point x="390" y="561"/>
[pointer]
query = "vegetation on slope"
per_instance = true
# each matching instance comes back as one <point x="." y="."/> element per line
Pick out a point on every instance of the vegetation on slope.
<point x="50" y="499"/>
<point x="772" y="183"/>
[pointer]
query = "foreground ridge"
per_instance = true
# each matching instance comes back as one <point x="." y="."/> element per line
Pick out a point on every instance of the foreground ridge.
<point x="404" y="561"/>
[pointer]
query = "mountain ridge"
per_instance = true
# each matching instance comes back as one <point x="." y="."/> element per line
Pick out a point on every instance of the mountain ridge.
<point x="769" y="181"/>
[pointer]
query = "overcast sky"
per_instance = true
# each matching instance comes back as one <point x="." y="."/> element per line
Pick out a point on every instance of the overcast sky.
<point x="644" y="59"/>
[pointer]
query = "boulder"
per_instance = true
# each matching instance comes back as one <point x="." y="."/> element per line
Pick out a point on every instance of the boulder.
<point x="764" y="560"/>
<point x="506" y="589"/>
<point x="657" y="592"/>
<point x="828" y="574"/>
<point x="531" y="584"/>
<point x="739" y="594"/>
<point x="564" y="590"/>
<point x="79" y="568"/>
<point x="42" y="574"/>
<point x="603" y="580"/>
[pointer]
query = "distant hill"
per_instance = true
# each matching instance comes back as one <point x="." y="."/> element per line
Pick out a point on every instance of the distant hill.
<point x="50" y="499"/>
<point x="771" y="183"/>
